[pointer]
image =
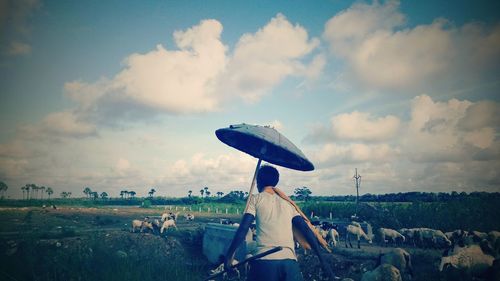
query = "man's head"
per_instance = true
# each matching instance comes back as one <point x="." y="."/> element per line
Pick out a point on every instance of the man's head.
<point x="267" y="176"/>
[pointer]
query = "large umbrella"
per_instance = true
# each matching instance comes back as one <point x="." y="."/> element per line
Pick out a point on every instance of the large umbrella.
<point x="264" y="143"/>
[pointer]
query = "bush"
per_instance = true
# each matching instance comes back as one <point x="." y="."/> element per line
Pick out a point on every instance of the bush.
<point x="146" y="204"/>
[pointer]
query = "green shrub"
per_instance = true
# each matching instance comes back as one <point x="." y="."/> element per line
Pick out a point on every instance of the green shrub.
<point x="146" y="204"/>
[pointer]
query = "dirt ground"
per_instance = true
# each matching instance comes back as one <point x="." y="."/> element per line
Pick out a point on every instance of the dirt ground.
<point x="71" y="236"/>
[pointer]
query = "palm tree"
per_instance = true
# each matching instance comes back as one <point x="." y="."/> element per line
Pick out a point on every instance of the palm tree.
<point x="49" y="191"/>
<point x="27" y="187"/>
<point x="189" y="193"/>
<point x="23" y="188"/>
<point x="219" y="194"/>
<point x="132" y="194"/>
<point x="42" y="188"/>
<point x="202" y="191"/>
<point x="104" y="195"/>
<point x="207" y="193"/>
<point x="125" y="192"/>
<point x="3" y="188"/>
<point x="69" y="194"/>
<point x="32" y="191"/>
<point x="151" y="192"/>
<point x="64" y="194"/>
<point x="206" y="190"/>
<point x="122" y="193"/>
<point x="94" y="195"/>
<point x="87" y="191"/>
<point x="34" y="188"/>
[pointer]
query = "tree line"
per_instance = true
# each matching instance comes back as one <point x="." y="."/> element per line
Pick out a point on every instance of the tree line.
<point x="33" y="191"/>
<point x="411" y="197"/>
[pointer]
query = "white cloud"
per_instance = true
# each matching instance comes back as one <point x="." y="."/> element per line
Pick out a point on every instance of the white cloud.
<point x="199" y="76"/>
<point x="356" y="126"/>
<point x="444" y="145"/>
<point x="18" y="49"/>
<point x="481" y="114"/>
<point x="224" y="172"/>
<point x="67" y="124"/>
<point x="351" y="27"/>
<point x="363" y="126"/>
<point x="122" y="166"/>
<point x="380" y="53"/>
<point x="262" y="60"/>
<point x="14" y="149"/>
<point x="434" y="133"/>
<point x="180" y="81"/>
<point x="333" y="154"/>
<point x="57" y="126"/>
<point x="12" y="168"/>
<point x="481" y="138"/>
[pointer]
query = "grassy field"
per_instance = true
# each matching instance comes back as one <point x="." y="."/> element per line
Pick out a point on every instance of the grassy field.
<point x="96" y="244"/>
<point x="93" y="242"/>
<point x="82" y="243"/>
<point x="470" y="214"/>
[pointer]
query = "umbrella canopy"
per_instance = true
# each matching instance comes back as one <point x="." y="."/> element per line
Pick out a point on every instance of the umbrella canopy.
<point x="265" y="143"/>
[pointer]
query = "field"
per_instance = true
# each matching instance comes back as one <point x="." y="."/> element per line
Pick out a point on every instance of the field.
<point x="85" y="243"/>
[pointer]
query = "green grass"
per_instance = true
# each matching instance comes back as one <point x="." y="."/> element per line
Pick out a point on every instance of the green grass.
<point x="470" y="214"/>
<point x="92" y="258"/>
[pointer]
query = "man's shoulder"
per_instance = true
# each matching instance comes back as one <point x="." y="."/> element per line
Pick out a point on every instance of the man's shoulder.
<point x="259" y="196"/>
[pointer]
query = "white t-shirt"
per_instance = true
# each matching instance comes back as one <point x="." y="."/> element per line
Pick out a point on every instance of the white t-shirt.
<point x="273" y="220"/>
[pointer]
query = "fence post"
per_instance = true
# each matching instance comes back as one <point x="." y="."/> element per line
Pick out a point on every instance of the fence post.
<point x="216" y="210"/>
<point x="330" y="215"/>
<point x="199" y="210"/>
<point x="237" y="211"/>
<point x="183" y="208"/>
<point x="226" y="211"/>
<point x="176" y="208"/>
<point x="208" y="208"/>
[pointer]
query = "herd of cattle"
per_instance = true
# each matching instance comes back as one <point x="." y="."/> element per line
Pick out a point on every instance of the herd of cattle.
<point x="160" y="224"/>
<point x="467" y="255"/>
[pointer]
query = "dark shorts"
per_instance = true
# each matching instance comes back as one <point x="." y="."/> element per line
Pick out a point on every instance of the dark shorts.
<point x="274" y="270"/>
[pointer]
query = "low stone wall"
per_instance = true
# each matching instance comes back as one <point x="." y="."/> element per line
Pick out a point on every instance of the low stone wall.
<point x="216" y="241"/>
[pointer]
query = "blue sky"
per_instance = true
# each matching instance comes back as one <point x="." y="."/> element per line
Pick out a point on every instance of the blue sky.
<point x="127" y="95"/>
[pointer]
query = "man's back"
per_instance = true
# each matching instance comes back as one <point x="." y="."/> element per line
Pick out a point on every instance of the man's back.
<point x="273" y="224"/>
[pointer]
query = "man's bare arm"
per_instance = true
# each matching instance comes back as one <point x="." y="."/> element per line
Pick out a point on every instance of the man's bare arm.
<point x="302" y="226"/>
<point x="242" y="231"/>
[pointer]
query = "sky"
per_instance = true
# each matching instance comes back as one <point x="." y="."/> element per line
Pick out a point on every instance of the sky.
<point x="127" y="95"/>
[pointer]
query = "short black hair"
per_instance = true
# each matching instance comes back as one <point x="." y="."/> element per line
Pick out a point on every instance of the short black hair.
<point x="267" y="176"/>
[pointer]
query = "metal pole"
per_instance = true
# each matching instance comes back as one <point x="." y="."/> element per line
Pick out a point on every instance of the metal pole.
<point x="357" y="179"/>
<point x="253" y="184"/>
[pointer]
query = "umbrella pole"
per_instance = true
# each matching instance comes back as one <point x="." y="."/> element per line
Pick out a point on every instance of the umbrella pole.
<point x="253" y="184"/>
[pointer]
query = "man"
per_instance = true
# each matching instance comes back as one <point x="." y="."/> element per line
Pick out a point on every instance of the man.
<point x="275" y="217"/>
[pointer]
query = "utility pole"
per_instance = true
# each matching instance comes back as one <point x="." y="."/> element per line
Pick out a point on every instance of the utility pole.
<point x="357" y="180"/>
